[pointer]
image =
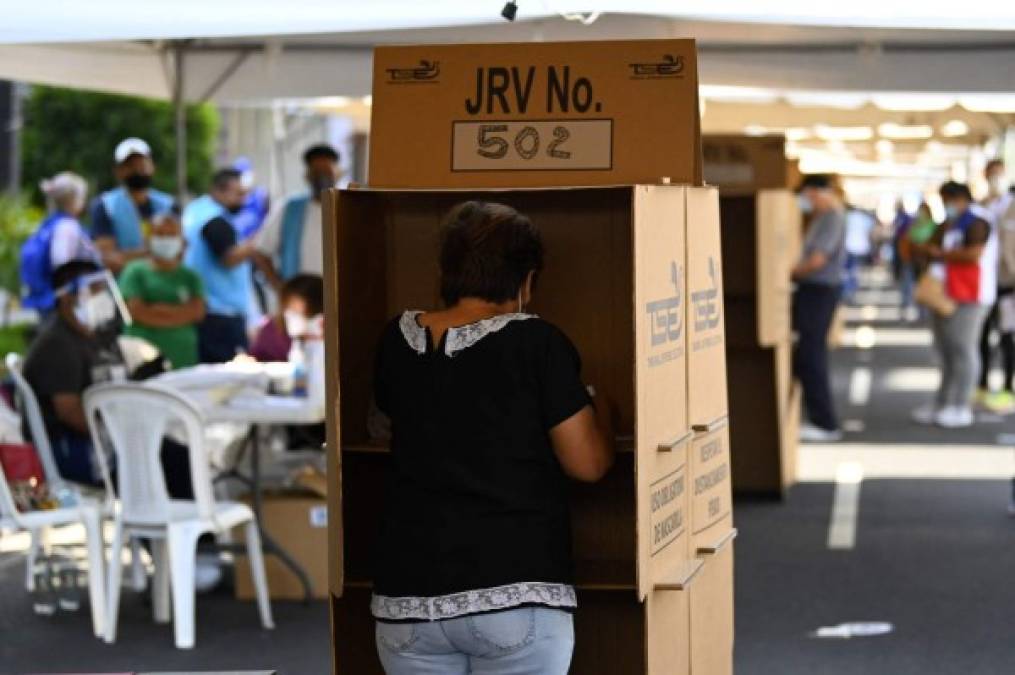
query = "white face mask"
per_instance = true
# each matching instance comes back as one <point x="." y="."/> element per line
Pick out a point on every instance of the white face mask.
<point x="95" y="310"/>
<point x="804" y="202"/>
<point x="295" y="323"/>
<point x="165" y="248"/>
<point x="951" y="211"/>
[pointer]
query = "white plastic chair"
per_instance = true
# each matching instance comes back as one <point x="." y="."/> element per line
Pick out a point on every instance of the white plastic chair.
<point x="135" y="417"/>
<point x="29" y="407"/>
<point x="86" y="514"/>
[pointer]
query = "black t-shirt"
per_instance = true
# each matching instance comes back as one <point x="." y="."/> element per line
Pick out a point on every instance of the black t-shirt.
<point x="62" y="361"/>
<point x="220" y="236"/>
<point x="476" y="498"/>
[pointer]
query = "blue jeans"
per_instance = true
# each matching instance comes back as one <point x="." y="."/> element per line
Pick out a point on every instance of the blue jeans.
<point x="522" y="641"/>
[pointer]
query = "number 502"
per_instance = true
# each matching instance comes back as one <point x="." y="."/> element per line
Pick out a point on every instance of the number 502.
<point x="526" y="142"/>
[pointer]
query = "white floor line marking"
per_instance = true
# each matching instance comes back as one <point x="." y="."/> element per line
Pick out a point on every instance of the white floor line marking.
<point x="845" y="506"/>
<point x="860" y="386"/>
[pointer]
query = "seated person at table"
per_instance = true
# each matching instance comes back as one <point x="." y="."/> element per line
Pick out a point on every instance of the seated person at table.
<point x="75" y="348"/>
<point x="301" y="302"/>
<point x="165" y="299"/>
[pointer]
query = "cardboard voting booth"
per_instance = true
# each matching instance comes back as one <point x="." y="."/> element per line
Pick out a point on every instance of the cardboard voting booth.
<point x="633" y="275"/>
<point x="761" y="244"/>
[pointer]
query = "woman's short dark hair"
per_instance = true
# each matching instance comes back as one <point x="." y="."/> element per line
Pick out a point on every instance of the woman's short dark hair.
<point x="309" y="287"/>
<point x="953" y="189"/>
<point x="487" y="251"/>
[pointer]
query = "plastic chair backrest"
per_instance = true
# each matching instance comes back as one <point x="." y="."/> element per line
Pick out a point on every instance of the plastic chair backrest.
<point x="135" y="418"/>
<point x="30" y="409"/>
<point x="7" y="507"/>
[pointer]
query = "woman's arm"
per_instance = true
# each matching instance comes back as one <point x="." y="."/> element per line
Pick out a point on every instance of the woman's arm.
<point x="164" y="315"/>
<point x="583" y="442"/>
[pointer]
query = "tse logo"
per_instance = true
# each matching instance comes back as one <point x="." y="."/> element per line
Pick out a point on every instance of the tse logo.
<point x="509" y="90"/>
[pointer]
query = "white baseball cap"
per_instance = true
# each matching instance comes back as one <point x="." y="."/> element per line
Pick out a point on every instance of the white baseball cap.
<point x="131" y="146"/>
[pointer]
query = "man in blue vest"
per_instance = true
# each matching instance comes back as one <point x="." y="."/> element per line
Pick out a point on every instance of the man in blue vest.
<point x="222" y="259"/>
<point x="121" y="217"/>
<point x="291" y="239"/>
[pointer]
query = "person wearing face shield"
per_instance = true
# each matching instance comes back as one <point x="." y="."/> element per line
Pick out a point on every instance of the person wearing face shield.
<point x="963" y="256"/>
<point x="291" y="239"/>
<point x="1000" y="205"/>
<point x="121" y="218"/>
<point x="165" y="299"/>
<point x="222" y="259"/>
<point x="818" y="276"/>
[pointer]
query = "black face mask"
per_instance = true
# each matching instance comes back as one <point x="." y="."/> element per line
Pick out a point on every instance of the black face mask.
<point x="138" y="181"/>
<point x="235" y="208"/>
<point x="319" y="183"/>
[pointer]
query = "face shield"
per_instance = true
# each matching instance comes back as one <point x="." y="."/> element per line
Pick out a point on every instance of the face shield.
<point x="98" y="304"/>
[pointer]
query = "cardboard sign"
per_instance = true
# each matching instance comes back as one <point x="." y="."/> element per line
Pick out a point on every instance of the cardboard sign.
<point x="667" y="644"/>
<point x="662" y="434"/>
<point x="744" y="164"/>
<point x="532" y="114"/>
<point x="711" y="492"/>
<point x="706" y="336"/>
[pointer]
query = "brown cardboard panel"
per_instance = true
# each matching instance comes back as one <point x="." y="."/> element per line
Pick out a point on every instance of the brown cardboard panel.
<point x="667" y="640"/>
<point x="791" y="437"/>
<point x="706" y="351"/>
<point x="300" y="525"/>
<point x="758" y="403"/>
<point x="743" y="164"/>
<point x="712" y="615"/>
<point x="329" y="205"/>
<point x="738" y="216"/>
<point x="711" y="494"/>
<point x="535" y="113"/>
<point x="610" y="629"/>
<point x="661" y="371"/>
<point x="352" y="634"/>
<point x="603" y="529"/>
<point x="777" y="218"/>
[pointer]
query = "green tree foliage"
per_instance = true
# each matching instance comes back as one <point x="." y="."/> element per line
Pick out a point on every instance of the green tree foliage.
<point x="68" y="129"/>
<point x="18" y="219"/>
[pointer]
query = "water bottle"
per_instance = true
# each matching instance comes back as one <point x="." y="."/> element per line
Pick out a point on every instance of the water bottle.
<point x="298" y="361"/>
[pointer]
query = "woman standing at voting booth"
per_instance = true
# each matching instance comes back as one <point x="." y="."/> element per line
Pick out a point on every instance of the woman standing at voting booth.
<point x="489" y="418"/>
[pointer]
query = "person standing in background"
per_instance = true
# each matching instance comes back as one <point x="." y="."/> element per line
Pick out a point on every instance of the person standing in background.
<point x="217" y="253"/>
<point x="859" y="229"/>
<point x="997" y="204"/>
<point x="165" y="299"/>
<point x="59" y="239"/>
<point x="818" y="277"/>
<point x="291" y="240"/>
<point x="963" y="254"/>
<point x="122" y="216"/>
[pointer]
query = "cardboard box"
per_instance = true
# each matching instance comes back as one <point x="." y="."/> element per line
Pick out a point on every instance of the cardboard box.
<point x="711" y="495"/>
<point x="744" y="164"/>
<point x="764" y="420"/>
<point x="535" y="113"/>
<point x="300" y="525"/>
<point x="706" y="354"/>
<point x="711" y="600"/>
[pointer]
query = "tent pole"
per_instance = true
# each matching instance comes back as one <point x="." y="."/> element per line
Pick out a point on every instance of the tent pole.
<point x="180" y="122"/>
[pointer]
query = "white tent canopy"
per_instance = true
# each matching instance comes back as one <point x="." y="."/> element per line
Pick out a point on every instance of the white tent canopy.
<point x="307" y="48"/>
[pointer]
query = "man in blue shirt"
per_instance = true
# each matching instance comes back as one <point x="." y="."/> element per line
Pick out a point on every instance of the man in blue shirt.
<point x="222" y="259"/>
<point x="121" y="217"/>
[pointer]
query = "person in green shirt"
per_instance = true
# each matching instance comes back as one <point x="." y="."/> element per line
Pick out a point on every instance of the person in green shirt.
<point x="165" y="299"/>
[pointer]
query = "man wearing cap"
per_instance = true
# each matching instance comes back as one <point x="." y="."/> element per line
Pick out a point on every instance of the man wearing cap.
<point x="290" y="242"/>
<point x="818" y="276"/>
<point x="121" y="217"/>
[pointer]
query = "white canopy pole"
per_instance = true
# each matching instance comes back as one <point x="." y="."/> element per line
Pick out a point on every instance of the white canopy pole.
<point x="180" y="120"/>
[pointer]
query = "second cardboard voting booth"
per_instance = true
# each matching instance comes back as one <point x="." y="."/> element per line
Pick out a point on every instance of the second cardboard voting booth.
<point x="761" y="244"/>
<point x="633" y="275"/>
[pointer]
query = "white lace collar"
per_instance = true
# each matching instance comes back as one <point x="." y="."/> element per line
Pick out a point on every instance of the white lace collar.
<point x="458" y="338"/>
